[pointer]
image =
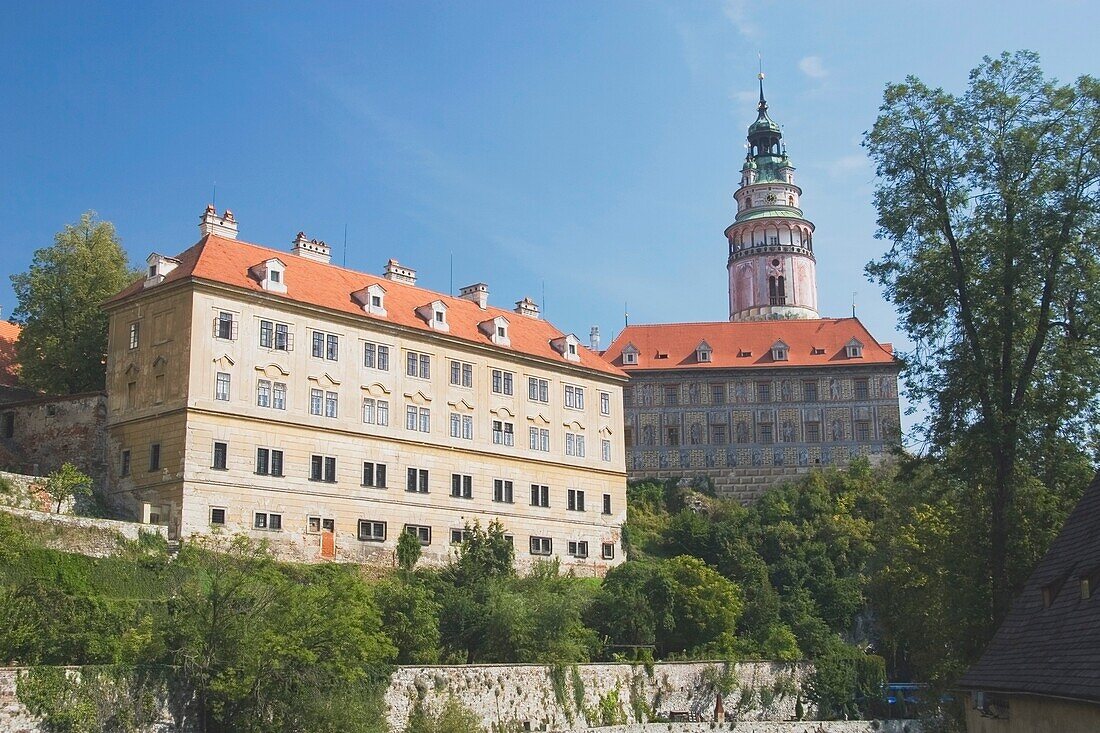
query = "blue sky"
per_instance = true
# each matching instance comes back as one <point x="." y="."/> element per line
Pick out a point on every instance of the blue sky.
<point x="591" y="148"/>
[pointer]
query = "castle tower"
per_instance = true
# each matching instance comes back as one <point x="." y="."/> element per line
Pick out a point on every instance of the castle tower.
<point x="772" y="270"/>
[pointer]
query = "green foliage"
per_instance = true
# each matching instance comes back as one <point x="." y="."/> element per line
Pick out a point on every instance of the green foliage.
<point x="122" y="700"/>
<point x="68" y="483"/>
<point x="846" y="682"/>
<point x="610" y="710"/>
<point x="410" y="616"/>
<point x="454" y="717"/>
<point x="408" y="550"/>
<point x="62" y="347"/>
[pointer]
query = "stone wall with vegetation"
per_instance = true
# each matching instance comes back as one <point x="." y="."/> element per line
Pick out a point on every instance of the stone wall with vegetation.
<point x="575" y="697"/>
<point x="84" y="535"/>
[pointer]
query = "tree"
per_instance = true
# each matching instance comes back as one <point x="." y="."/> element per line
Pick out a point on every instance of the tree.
<point x="62" y="348"/>
<point x="990" y="203"/>
<point x="410" y="616"/>
<point x="408" y="550"/>
<point x="67" y="483"/>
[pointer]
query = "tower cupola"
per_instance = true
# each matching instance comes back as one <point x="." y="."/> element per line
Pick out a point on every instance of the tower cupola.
<point x="772" y="268"/>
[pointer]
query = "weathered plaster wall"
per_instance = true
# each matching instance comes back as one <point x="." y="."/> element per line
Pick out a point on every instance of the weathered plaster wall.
<point x="1037" y="715"/>
<point x="47" y="432"/>
<point x="525" y="695"/>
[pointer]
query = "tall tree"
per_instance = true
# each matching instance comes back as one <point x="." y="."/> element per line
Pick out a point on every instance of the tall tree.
<point x="63" y="345"/>
<point x="989" y="200"/>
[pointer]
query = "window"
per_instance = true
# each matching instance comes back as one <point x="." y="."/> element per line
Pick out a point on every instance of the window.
<point x="278" y="395"/>
<point x="777" y="288"/>
<point x="767" y="433"/>
<point x="538" y="390"/>
<point x="809" y="391"/>
<point x="267" y="520"/>
<point x="134" y="330"/>
<point x="269" y="462"/>
<point x="540" y="495"/>
<point x="263" y="393"/>
<point x="376" y="356"/>
<point x="374" y="474"/>
<point x="418" y="365"/>
<point x="462" y="426"/>
<point x="574" y="397"/>
<point x="503" y="433"/>
<point x="331" y="404"/>
<point x="607" y="550"/>
<point x="574" y="445"/>
<point x="860" y="386"/>
<point x="217" y="515"/>
<point x="372" y="531"/>
<point x="605" y="404"/>
<point x="863" y="431"/>
<point x="221" y="387"/>
<point x="718" y="435"/>
<point x="502" y="491"/>
<point x="462" y="374"/>
<point x="576" y="500"/>
<point x="578" y="549"/>
<point x="813" y="432"/>
<point x="418" y="419"/>
<point x="607" y="503"/>
<point x="629" y="357"/>
<point x="779" y="353"/>
<point x="854" y="350"/>
<point x="458" y="536"/>
<point x="322" y="468"/>
<point x="124" y="463"/>
<point x="416" y="480"/>
<point x="462" y="486"/>
<point x="376" y="412"/>
<point x="221" y="455"/>
<point x="325" y="346"/>
<point x="131" y="392"/>
<point x="154" y="457"/>
<point x="540" y="439"/>
<point x="316" y="401"/>
<point x="703" y="355"/>
<point x="503" y="382"/>
<point x="422" y="533"/>
<point x="673" y="432"/>
<point x="605" y="450"/>
<point x="763" y="392"/>
<point x="274" y="335"/>
<point x="672" y="394"/>
<point x="718" y="394"/>
<point x="225" y="326"/>
<point x="542" y="546"/>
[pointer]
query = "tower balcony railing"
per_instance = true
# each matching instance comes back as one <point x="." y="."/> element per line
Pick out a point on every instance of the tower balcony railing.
<point x="757" y="249"/>
<point x="779" y="300"/>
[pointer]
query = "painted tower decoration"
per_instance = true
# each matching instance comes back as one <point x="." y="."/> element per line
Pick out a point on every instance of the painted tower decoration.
<point x="771" y="263"/>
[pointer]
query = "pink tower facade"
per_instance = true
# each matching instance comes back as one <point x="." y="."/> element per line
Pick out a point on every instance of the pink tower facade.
<point x="772" y="269"/>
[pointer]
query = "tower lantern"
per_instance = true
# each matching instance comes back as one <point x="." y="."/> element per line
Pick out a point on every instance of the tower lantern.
<point x="772" y="269"/>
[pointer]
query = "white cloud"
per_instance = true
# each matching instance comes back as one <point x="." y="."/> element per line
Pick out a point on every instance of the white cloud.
<point x="737" y="13"/>
<point x="812" y="67"/>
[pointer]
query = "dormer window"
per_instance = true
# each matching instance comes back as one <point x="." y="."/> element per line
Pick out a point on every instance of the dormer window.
<point x="703" y="353"/>
<point x="567" y="346"/>
<point x="269" y="273"/>
<point x="372" y="298"/>
<point x="159" y="267"/>
<point x="854" y="349"/>
<point x="780" y="351"/>
<point x="497" y="330"/>
<point x="435" y="315"/>
<point x="630" y="355"/>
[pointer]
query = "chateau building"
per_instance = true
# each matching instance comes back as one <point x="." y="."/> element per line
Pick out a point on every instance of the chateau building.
<point x="775" y="390"/>
<point x="276" y="394"/>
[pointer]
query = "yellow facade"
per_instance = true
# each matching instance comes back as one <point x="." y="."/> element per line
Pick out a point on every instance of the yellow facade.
<point x="164" y="390"/>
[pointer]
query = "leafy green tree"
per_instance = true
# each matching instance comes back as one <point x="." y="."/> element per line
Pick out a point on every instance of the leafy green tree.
<point x="408" y="550"/>
<point x="454" y="717"/>
<point x="62" y="348"/>
<point x="68" y="483"/>
<point x="846" y="683"/>
<point x="990" y="202"/>
<point x="410" y="617"/>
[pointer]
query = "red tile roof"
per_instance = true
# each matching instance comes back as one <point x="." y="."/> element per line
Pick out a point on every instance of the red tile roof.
<point x="817" y="342"/>
<point x="228" y="261"/>
<point x="9" y="367"/>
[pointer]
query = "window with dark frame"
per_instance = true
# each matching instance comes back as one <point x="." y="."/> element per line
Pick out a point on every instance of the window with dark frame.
<point x="502" y="491"/>
<point x="269" y="462"/>
<point x="416" y="480"/>
<point x="217" y="515"/>
<point x="221" y="456"/>
<point x="541" y="545"/>
<point x="607" y="503"/>
<point x="374" y="474"/>
<point x="421" y="532"/>
<point x="371" y="531"/>
<point x="607" y="551"/>
<point x="540" y="495"/>
<point x="154" y="457"/>
<point x="578" y="548"/>
<point x="124" y="463"/>
<point x="575" y="500"/>
<point x="462" y="486"/>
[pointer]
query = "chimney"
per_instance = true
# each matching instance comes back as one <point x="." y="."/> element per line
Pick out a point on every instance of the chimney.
<point x="594" y="338"/>
<point x="527" y="307"/>
<point x="220" y="226"/>
<point x="399" y="273"/>
<point x="311" y="249"/>
<point x="478" y="293"/>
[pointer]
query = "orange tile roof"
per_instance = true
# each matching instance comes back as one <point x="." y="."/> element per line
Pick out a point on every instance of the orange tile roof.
<point x="228" y="261"/>
<point x="9" y="367"/>
<point x="818" y="342"/>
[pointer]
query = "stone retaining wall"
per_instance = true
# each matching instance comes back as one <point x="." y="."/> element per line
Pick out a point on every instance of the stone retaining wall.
<point x="85" y="535"/>
<point x="804" y="726"/>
